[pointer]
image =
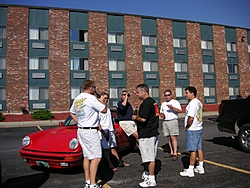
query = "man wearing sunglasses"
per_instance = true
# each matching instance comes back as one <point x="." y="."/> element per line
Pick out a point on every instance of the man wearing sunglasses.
<point x="169" y="112"/>
<point x="125" y="113"/>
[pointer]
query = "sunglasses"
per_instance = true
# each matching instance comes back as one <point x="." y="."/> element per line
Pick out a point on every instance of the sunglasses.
<point x="106" y="98"/>
<point x="124" y="94"/>
<point x="167" y="95"/>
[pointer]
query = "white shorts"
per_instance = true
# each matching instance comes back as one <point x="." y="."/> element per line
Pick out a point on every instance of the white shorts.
<point x="148" y="148"/>
<point x="129" y="127"/>
<point x="111" y="143"/>
<point x="89" y="139"/>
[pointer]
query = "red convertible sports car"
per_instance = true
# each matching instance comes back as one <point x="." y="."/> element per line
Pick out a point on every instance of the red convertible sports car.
<point x="59" y="147"/>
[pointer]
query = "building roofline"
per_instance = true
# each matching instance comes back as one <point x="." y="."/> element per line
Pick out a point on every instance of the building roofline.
<point x="122" y="14"/>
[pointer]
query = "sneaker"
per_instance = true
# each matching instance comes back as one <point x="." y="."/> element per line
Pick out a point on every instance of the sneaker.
<point x="86" y="185"/>
<point x="199" y="169"/>
<point x="144" y="175"/>
<point x="148" y="183"/>
<point x="97" y="186"/>
<point x="187" y="172"/>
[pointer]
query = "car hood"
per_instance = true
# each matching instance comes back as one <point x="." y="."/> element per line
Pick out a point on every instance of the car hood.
<point x="53" y="140"/>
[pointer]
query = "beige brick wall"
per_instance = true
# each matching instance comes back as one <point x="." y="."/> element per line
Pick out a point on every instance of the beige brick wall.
<point x="98" y="50"/>
<point x="17" y="59"/>
<point x="165" y="57"/>
<point x="220" y="59"/>
<point x="59" y="64"/>
<point x="243" y="60"/>
<point x="195" y="58"/>
<point x="134" y="62"/>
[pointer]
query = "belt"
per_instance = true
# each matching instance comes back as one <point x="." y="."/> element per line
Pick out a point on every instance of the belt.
<point x="169" y="119"/>
<point x="88" y="127"/>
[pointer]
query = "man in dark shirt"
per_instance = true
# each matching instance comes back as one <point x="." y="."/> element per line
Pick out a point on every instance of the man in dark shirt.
<point x="147" y="126"/>
<point x="125" y="114"/>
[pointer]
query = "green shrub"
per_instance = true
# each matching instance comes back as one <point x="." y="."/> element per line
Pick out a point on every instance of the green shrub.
<point x="1" y="116"/>
<point x="42" y="114"/>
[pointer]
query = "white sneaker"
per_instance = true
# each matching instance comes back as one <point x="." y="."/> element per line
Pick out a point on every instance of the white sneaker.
<point x="144" y="175"/>
<point x="148" y="183"/>
<point x="199" y="169"/>
<point x="86" y="185"/>
<point x="187" y="172"/>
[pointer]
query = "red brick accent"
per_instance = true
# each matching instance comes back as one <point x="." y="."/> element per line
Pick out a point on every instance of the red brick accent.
<point x="59" y="67"/>
<point x="165" y="56"/>
<point x="17" y="59"/>
<point x="134" y="62"/>
<point x="220" y="58"/>
<point x="98" y="50"/>
<point x="243" y="60"/>
<point x="195" y="58"/>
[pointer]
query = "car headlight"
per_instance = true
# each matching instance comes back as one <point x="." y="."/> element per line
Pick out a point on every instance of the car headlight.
<point x="73" y="143"/>
<point x="26" y="141"/>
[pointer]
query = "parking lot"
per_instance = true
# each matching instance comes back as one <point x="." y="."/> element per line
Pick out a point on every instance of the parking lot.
<point x="225" y="164"/>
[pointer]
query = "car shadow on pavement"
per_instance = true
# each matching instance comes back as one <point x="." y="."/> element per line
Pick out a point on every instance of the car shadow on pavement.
<point x="225" y="141"/>
<point x="35" y="180"/>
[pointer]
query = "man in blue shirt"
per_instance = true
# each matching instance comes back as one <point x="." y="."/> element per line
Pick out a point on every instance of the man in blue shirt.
<point x="125" y="114"/>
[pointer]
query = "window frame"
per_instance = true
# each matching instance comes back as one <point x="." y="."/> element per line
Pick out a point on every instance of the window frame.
<point x="115" y="91"/>
<point x="118" y="37"/>
<point x="234" y="89"/>
<point x="152" y="90"/>
<point x="73" y="96"/>
<point x="210" y="93"/>
<point x="235" y="70"/>
<point x="151" y="63"/>
<point x="116" y="64"/>
<point x="40" y="90"/>
<point x="152" y="40"/>
<point x="182" y="91"/>
<point x="83" y="64"/>
<point x="231" y="46"/>
<point x="179" y="41"/>
<point x="2" y="32"/>
<point x="2" y="62"/>
<point x="45" y="65"/>
<point x="82" y="35"/>
<point x="206" y="42"/>
<point x="39" y="30"/>
<point x="208" y="67"/>
<point x="2" y="93"/>
<point x="181" y="66"/>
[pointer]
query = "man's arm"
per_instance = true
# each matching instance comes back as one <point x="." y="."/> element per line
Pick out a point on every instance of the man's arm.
<point x="74" y="117"/>
<point x="189" y="122"/>
<point x="104" y="111"/>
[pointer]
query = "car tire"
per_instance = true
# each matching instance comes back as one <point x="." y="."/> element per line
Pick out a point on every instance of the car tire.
<point x="244" y="137"/>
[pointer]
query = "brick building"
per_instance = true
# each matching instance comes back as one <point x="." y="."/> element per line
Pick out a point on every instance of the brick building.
<point x="46" y="54"/>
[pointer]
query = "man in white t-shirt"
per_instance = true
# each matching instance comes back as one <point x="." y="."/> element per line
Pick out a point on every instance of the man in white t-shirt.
<point x="193" y="125"/>
<point x="85" y="111"/>
<point x="169" y="112"/>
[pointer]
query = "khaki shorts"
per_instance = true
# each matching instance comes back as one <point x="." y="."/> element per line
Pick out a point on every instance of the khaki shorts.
<point x="170" y="128"/>
<point x="148" y="148"/>
<point x="129" y="127"/>
<point x="89" y="140"/>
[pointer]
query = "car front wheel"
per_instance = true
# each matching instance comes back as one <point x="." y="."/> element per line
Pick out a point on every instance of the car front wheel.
<point x="244" y="137"/>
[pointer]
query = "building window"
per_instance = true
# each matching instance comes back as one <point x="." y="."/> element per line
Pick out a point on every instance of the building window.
<point x="154" y="92"/>
<point x="207" y="44"/>
<point x="38" y="93"/>
<point x="2" y="62"/>
<point x="248" y="48"/>
<point x="209" y="91"/>
<point x="79" y="64"/>
<point x="116" y="38"/>
<point x="2" y="32"/>
<point x="232" y="68"/>
<point x="116" y="65"/>
<point x="231" y="46"/>
<point x="38" y="63"/>
<point x="78" y="35"/>
<point x="208" y="67"/>
<point x="150" y="65"/>
<point x="234" y="90"/>
<point x="180" y="42"/>
<point x="2" y="93"/>
<point x="181" y="66"/>
<point x="75" y="91"/>
<point x="38" y="34"/>
<point x="149" y="40"/>
<point x="180" y="91"/>
<point x="115" y="92"/>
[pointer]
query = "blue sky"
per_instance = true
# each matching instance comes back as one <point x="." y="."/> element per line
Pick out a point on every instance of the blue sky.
<point x="224" y="12"/>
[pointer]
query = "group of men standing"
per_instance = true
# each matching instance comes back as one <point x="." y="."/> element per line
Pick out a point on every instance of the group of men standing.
<point x="86" y="110"/>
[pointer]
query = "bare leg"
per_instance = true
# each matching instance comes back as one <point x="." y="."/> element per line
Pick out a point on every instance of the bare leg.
<point x="93" y="169"/>
<point x="114" y="152"/>
<point x="86" y="164"/>
<point x="170" y="145"/>
<point x="174" y="144"/>
<point x="200" y="155"/>
<point x="192" y="158"/>
<point x="151" y="168"/>
<point x="135" y="134"/>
